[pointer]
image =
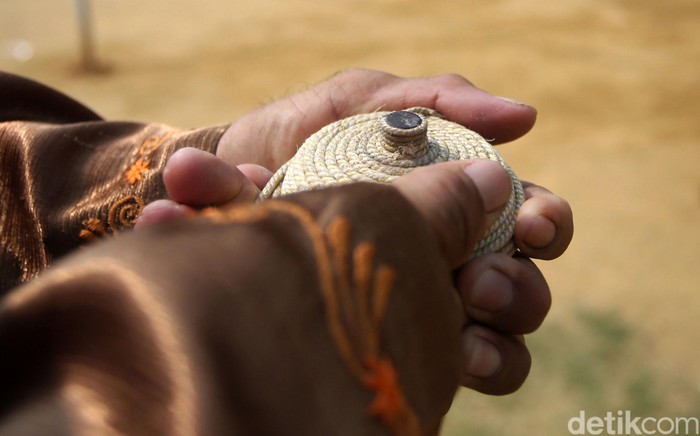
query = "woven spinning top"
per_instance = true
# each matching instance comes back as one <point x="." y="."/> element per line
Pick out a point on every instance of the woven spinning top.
<point x="381" y="146"/>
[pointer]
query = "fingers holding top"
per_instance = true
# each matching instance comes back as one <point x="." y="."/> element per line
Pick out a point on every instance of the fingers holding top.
<point x="509" y="294"/>
<point x="544" y="226"/>
<point x="494" y="364"/>
<point x="255" y="173"/>
<point x="503" y="297"/>
<point x="498" y="119"/>
<point x="270" y="135"/>
<point x="162" y="211"/>
<point x="196" y="178"/>
<point x="459" y="199"/>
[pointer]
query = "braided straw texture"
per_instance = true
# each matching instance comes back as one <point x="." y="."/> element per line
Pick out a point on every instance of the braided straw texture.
<point x="357" y="149"/>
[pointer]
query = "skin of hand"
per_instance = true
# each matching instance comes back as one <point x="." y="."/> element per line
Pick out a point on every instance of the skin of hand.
<point x="503" y="297"/>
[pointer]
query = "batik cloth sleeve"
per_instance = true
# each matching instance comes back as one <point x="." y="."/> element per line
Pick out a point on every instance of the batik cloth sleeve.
<point x="323" y="313"/>
<point x="68" y="177"/>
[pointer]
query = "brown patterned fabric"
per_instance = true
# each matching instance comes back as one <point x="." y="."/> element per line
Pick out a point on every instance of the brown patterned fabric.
<point x="312" y="315"/>
<point x="68" y="177"/>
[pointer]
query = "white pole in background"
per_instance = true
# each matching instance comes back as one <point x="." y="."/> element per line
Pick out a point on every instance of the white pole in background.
<point x="87" y="38"/>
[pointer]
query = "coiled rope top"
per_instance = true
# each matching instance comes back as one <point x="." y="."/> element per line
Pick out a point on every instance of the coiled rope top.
<point x="381" y="146"/>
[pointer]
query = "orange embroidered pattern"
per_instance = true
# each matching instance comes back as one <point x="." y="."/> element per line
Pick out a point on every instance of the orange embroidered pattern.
<point x="356" y="294"/>
<point x="388" y="404"/>
<point x="92" y="229"/>
<point x="135" y="172"/>
<point x="153" y="143"/>
<point x="138" y="168"/>
<point x="123" y="213"/>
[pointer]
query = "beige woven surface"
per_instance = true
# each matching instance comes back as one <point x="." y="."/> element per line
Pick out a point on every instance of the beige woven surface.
<point x="366" y="148"/>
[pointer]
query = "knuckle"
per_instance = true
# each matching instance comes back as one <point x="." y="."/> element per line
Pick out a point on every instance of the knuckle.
<point x="453" y="79"/>
<point x="459" y="214"/>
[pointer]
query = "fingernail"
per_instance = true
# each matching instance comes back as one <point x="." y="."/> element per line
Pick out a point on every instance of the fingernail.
<point x="154" y="208"/>
<point x="492" y="292"/>
<point x="482" y="357"/>
<point x="492" y="181"/>
<point x="514" y="101"/>
<point x="161" y="211"/>
<point x="541" y="233"/>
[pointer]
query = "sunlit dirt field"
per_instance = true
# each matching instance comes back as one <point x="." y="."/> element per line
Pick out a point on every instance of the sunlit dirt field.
<point x="617" y="86"/>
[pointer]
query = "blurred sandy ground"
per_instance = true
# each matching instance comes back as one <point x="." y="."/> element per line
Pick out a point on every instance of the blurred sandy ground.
<point x="617" y="86"/>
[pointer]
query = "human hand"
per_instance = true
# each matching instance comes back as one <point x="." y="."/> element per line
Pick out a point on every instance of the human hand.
<point x="503" y="297"/>
<point x="270" y="135"/>
<point x="194" y="179"/>
<point x="261" y="141"/>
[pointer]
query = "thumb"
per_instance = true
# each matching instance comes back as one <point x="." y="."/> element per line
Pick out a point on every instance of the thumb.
<point x="460" y="201"/>
<point x="196" y="178"/>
